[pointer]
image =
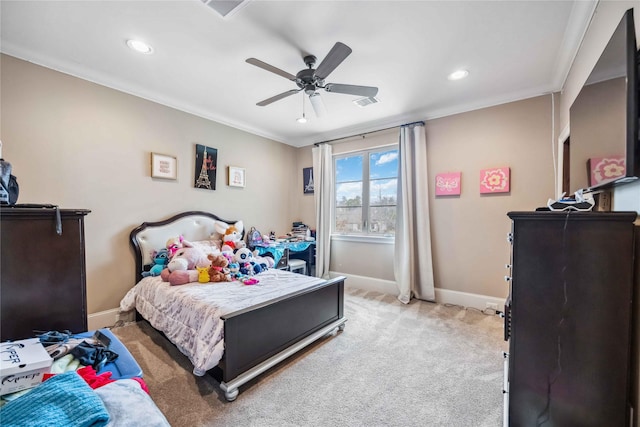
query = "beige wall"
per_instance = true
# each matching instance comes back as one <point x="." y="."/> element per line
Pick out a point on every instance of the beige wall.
<point x="469" y="232"/>
<point x="80" y="145"/>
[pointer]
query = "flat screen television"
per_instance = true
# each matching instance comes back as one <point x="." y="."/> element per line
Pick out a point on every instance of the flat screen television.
<point x="603" y="120"/>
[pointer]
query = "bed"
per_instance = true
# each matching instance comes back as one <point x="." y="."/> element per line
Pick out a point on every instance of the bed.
<point x="258" y="331"/>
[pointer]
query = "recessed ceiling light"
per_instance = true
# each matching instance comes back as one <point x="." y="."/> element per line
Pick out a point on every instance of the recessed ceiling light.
<point x="139" y="46"/>
<point x="457" y="75"/>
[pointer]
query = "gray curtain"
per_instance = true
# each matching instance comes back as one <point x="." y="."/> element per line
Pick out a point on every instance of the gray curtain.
<point x="323" y="195"/>
<point x="413" y="266"/>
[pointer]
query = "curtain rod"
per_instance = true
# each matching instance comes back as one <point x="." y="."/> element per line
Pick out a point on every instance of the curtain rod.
<point x="367" y="133"/>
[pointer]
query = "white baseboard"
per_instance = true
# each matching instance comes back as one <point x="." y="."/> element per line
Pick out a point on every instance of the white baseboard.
<point x="368" y="283"/>
<point x="108" y="318"/>
<point x="443" y="296"/>
<point x="465" y="299"/>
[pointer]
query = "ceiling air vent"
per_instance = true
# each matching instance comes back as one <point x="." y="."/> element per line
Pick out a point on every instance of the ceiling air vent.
<point x="363" y="102"/>
<point x="226" y="8"/>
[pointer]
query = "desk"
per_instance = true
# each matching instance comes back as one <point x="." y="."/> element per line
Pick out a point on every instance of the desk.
<point x="282" y="251"/>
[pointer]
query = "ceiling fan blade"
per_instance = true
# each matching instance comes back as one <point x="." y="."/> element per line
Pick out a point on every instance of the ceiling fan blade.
<point x="368" y="91"/>
<point x="265" y="66"/>
<point x="336" y="55"/>
<point x="278" y="97"/>
<point x="317" y="104"/>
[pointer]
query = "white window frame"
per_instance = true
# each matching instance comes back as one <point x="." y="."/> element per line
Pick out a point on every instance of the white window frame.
<point x="365" y="235"/>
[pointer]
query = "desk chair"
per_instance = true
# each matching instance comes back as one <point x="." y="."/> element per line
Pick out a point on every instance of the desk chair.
<point x="298" y="266"/>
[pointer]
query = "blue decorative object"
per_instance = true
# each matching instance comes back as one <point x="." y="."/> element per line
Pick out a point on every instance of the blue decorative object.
<point x="161" y="259"/>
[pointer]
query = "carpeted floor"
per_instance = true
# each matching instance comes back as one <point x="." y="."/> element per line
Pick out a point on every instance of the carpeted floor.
<point x="420" y="364"/>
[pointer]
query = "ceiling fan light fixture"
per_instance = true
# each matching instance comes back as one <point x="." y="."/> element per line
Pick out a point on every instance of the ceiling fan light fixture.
<point x="139" y="46"/>
<point x="317" y="104"/>
<point x="457" y="75"/>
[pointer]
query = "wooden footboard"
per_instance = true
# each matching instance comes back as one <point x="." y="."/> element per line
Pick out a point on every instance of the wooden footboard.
<point x="259" y="337"/>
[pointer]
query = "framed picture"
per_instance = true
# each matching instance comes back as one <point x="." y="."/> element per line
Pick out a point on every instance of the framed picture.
<point x="236" y="176"/>
<point x="205" y="167"/>
<point x="605" y="169"/>
<point x="448" y="184"/>
<point x="496" y="180"/>
<point x="307" y="180"/>
<point x="164" y="166"/>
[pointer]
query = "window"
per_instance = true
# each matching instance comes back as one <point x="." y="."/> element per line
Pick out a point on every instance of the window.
<point x="366" y="192"/>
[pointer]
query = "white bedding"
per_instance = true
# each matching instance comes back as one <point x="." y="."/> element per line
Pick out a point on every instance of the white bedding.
<point x="189" y="315"/>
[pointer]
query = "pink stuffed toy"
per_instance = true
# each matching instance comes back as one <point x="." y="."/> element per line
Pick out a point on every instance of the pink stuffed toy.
<point x="173" y="244"/>
<point x="183" y="266"/>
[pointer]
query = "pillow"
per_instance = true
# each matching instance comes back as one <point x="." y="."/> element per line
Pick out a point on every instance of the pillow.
<point x="208" y="247"/>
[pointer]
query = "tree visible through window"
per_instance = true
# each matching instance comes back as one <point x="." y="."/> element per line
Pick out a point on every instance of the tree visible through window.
<point x="366" y="192"/>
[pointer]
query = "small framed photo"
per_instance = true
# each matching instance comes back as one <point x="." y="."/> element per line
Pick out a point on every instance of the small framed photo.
<point x="164" y="166"/>
<point x="236" y="176"/>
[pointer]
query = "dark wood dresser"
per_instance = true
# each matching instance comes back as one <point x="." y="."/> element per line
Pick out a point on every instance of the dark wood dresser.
<point x="42" y="273"/>
<point x="568" y="319"/>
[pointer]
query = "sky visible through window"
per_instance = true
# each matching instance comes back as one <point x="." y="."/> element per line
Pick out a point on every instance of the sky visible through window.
<point x="382" y="165"/>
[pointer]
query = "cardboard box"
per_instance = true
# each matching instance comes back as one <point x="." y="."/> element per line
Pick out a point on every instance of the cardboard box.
<point x="22" y="364"/>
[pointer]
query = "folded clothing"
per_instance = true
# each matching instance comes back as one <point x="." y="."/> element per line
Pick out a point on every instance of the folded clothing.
<point x="63" y="400"/>
<point x="130" y="406"/>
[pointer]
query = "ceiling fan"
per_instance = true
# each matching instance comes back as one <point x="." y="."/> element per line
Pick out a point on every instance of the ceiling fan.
<point x="312" y="79"/>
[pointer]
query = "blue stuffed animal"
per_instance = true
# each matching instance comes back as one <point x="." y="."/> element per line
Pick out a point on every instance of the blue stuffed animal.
<point x="160" y="259"/>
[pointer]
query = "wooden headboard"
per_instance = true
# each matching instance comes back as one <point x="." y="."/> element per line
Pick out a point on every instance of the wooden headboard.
<point x="151" y="236"/>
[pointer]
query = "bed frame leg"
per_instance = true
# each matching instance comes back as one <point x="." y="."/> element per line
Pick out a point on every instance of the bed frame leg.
<point x="229" y="394"/>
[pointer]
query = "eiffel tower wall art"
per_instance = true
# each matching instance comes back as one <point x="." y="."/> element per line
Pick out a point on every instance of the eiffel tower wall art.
<point x="206" y="167"/>
<point x="307" y="180"/>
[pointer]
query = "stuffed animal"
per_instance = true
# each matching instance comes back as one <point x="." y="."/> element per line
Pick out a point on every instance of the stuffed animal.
<point x="245" y="258"/>
<point x="160" y="259"/>
<point x="182" y="267"/>
<point x="173" y="244"/>
<point x="218" y="272"/>
<point x="203" y="274"/>
<point x="234" y="270"/>
<point x="231" y="235"/>
<point x="265" y="261"/>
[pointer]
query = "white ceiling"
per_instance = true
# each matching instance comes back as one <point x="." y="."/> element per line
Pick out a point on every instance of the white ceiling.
<point x="512" y="49"/>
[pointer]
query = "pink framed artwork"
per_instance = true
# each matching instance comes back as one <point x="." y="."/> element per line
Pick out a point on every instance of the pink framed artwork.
<point x="605" y="169"/>
<point x="495" y="180"/>
<point x="448" y="184"/>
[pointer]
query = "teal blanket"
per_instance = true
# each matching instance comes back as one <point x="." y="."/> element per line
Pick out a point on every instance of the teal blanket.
<point x="63" y="400"/>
